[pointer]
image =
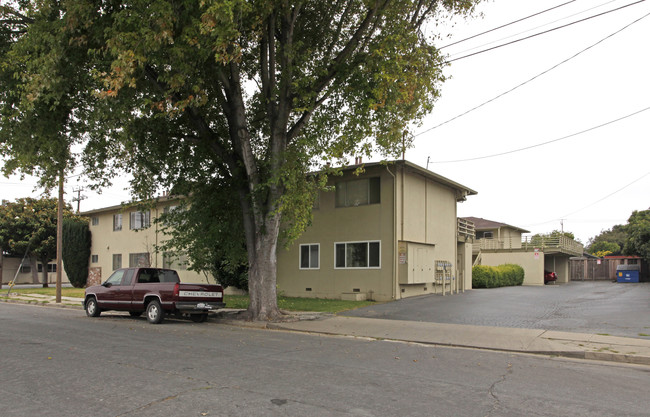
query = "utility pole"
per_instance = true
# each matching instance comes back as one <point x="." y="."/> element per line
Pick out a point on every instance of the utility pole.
<point x="78" y="198"/>
<point x="59" y="238"/>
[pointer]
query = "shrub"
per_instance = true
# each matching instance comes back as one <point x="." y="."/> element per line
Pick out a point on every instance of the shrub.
<point x="76" y="250"/>
<point x="484" y="276"/>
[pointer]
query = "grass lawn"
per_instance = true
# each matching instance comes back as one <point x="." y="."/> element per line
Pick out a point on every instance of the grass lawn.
<point x="232" y="301"/>
<point x="65" y="292"/>
<point x="301" y="304"/>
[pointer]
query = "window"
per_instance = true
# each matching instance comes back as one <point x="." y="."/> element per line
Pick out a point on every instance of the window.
<point x="94" y="258"/>
<point x="94" y="220"/>
<point x="484" y="235"/>
<point x="140" y="219"/>
<point x="116" y="277"/>
<point x="117" y="222"/>
<point x="139" y="260"/>
<point x="358" y="192"/>
<point x="357" y="255"/>
<point x="117" y="261"/>
<point x="25" y="269"/>
<point x="174" y="261"/>
<point x="50" y="267"/>
<point x="309" y="256"/>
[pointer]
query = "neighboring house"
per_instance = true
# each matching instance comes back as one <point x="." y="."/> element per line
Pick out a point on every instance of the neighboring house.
<point x="500" y="243"/>
<point x="388" y="233"/>
<point x="124" y="236"/>
<point x="31" y="272"/>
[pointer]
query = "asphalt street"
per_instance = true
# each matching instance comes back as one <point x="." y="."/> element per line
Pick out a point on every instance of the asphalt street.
<point x="58" y="362"/>
<point x="599" y="307"/>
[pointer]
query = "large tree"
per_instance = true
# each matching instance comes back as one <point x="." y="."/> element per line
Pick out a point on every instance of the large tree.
<point x="638" y="234"/>
<point x="246" y="97"/>
<point x="28" y="226"/>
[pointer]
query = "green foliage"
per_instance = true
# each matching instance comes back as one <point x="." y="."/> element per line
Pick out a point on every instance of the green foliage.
<point x="484" y="276"/>
<point x="638" y="240"/>
<point x="612" y="239"/>
<point x="603" y="246"/>
<point x="29" y="224"/>
<point x="76" y="250"/>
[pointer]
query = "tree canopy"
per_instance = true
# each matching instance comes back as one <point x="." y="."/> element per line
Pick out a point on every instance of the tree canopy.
<point x="638" y="235"/>
<point x="244" y="98"/>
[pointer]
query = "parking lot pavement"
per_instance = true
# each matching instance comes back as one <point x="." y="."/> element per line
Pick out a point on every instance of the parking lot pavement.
<point x="600" y="307"/>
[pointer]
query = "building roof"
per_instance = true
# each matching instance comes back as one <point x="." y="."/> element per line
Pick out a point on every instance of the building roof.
<point x="484" y="224"/>
<point x="464" y="190"/>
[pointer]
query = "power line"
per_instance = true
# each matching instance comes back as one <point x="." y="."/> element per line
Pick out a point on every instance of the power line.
<point x="533" y="28"/>
<point x="541" y="33"/>
<point x="533" y="78"/>
<point x="543" y="143"/>
<point x="595" y="202"/>
<point x="506" y="25"/>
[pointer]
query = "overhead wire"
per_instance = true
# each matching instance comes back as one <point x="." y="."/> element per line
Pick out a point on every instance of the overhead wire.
<point x="533" y="78"/>
<point x="534" y="28"/>
<point x="543" y="143"/>
<point x="506" y="25"/>
<point x="541" y="33"/>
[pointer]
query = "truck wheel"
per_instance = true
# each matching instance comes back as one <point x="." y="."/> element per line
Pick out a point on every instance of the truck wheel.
<point x="92" y="310"/>
<point x="198" y="318"/>
<point x="155" y="313"/>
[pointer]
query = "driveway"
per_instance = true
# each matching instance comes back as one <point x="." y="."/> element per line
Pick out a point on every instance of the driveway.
<point x="599" y="307"/>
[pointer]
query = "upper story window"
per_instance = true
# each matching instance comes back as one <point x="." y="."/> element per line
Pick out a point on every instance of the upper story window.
<point x="359" y="192"/>
<point x="484" y="235"/>
<point x="140" y="219"/>
<point x="94" y="220"/>
<point x="117" y="222"/>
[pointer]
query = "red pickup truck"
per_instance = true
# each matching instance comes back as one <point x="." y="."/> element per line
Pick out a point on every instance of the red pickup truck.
<point x="154" y="291"/>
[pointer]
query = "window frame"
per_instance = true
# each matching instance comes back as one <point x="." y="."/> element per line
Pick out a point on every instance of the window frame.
<point x="117" y="256"/>
<point x="309" y="246"/>
<point x="372" y="183"/>
<point x="145" y="219"/>
<point x="94" y="221"/>
<point x="118" y="227"/>
<point x="94" y="259"/>
<point x="368" y="256"/>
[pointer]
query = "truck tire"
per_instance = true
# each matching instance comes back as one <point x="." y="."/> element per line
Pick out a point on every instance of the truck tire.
<point x="92" y="310"/>
<point x="155" y="313"/>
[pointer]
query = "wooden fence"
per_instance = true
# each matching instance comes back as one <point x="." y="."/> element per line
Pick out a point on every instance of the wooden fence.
<point x="589" y="269"/>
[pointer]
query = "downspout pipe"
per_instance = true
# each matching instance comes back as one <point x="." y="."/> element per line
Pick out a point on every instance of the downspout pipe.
<point x="394" y="233"/>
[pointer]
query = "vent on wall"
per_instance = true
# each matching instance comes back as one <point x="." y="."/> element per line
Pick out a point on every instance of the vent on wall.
<point x="307" y="289"/>
<point x="356" y="290"/>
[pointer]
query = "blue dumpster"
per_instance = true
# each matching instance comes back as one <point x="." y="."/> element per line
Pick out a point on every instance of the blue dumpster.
<point x="627" y="273"/>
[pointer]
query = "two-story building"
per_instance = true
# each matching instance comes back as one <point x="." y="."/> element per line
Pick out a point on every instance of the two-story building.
<point x="389" y="233"/>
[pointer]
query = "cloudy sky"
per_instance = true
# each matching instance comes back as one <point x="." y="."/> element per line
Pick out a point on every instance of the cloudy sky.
<point x="573" y="133"/>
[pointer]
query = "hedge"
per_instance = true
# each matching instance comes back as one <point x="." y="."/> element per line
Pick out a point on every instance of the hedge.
<point x="484" y="276"/>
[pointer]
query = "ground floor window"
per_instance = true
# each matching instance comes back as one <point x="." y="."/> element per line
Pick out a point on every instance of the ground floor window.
<point x="357" y="254"/>
<point x="310" y="256"/>
<point x="94" y="259"/>
<point x="175" y="261"/>
<point x="117" y="261"/>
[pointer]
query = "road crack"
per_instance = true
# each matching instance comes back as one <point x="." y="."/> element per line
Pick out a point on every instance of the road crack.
<point x="496" y="406"/>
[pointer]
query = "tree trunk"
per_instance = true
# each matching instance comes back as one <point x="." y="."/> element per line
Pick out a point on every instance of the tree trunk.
<point x="45" y="283"/>
<point x="34" y="268"/>
<point x="262" y="273"/>
<point x="2" y="258"/>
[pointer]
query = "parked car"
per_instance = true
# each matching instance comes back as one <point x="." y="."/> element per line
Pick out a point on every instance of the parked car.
<point x="153" y="291"/>
<point x="549" y="277"/>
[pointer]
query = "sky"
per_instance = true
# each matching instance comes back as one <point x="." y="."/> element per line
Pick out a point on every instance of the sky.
<point x="584" y="118"/>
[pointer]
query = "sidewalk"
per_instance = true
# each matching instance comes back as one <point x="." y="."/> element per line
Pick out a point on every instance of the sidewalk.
<point x="534" y="341"/>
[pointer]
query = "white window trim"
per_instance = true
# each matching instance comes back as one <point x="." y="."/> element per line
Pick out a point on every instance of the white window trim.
<point x="359" y="267"/>
<point x="300" y="254"/>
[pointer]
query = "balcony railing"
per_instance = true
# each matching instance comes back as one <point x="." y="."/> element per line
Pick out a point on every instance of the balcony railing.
<point x="544" y="243"/>
<point x="465" y="230"/>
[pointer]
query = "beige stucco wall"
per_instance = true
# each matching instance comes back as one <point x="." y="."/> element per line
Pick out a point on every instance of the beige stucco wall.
<point x="106" y="242"/>
<point x="425" y="226"/>
<point x="333" y="225"/>
<point x="533" y="265"/>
